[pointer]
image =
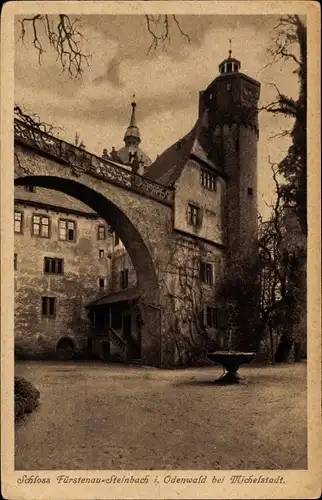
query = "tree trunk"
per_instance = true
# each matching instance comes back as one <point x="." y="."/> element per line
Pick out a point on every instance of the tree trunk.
<point x="271" y="337"/>
<point x="284" y="349"/>
<point x="297" y="352"/>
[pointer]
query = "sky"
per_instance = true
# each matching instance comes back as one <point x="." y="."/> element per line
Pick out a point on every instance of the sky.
<point x="166" y="83"/>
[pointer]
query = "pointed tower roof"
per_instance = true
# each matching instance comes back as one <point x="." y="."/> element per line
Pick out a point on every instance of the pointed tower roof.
<point x="132" y="138"/>
<point x="132" y="131"/>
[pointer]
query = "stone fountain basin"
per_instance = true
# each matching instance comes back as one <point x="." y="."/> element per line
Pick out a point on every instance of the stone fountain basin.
<point x="231" y="361"/>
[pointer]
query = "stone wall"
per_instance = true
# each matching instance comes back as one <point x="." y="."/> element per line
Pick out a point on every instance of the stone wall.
<point x="190" y="190"/>
<point x="79" y="283"/>
<point x="184" y="297"/>
<point x="121" y="262"/>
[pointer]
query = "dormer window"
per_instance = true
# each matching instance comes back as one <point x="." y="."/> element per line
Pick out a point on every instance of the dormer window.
<point x="208" y="180"/>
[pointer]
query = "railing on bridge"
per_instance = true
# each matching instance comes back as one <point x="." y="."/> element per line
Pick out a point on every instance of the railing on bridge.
<point x="82" y="161"/>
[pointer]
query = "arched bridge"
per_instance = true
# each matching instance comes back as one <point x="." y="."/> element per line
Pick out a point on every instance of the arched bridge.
<point x="139" y="210"/>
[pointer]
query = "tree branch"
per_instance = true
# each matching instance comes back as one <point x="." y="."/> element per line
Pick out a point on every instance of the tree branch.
<point x="63" y="36"/>
<point x="34" y="121"/>
<point x="159" y="27"/>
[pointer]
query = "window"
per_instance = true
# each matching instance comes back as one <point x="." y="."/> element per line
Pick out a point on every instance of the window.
<point x="101" y="253"/>
<point x="228" y="86"/>
<point x="48" y="307"/>
<point x="101" y="233"/>
<point x="209" y="317"/>
<point x="53" y="266"/>
<point x="101" y="282"/>
<point x="124" y="278"/>
<point x="208" y="180"/>
<point x="193" y="215"/>
<point x="18" y="222"/>
<point x="250" y="191"/>
<point x="15" y="261"/>
<point x="30" y="189"/>
<point x="67" y="230"/>
<point x="206" y="273"/>
<point x="40" y="226"/>
<point x="229" y="67"/>
<point x="116" y="240"/>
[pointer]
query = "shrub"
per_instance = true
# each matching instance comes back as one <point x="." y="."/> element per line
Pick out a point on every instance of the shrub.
<point x="26" y="397"/>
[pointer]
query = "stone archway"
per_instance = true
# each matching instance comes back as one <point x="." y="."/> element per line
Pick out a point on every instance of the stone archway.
<point x="134" y="243"/>
<point x="65" y="348"/>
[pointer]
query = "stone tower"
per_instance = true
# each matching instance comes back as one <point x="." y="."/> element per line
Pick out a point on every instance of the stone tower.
<point x="232" y="101"/>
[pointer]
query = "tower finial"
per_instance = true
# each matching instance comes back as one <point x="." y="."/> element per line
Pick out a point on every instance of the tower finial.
<point x="230" y="48"/>
<point x="132" y="134"/>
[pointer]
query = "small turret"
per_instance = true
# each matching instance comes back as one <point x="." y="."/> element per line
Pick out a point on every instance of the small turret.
<point x="131" y="151"/>
<point x="229" y="65"/>
<point x="132" y="134"/>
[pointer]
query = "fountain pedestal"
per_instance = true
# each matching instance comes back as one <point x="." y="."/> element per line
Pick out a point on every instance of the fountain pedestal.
<point x="231" y="361"/>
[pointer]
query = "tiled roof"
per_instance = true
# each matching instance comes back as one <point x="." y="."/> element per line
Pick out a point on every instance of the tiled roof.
<point x="51" y="197"/>
<point x="120" y="296"/>
<point x="168" y="167"/>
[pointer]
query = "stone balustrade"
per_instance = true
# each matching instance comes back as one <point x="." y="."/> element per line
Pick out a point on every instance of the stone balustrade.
<point x="81" y="162"/>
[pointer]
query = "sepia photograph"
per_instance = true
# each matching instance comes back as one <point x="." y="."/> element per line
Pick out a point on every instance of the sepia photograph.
<point x="159" y="248"/>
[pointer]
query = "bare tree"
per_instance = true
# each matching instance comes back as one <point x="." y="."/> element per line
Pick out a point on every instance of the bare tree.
<point x="160" y="28"/>
<point x="34" y="122"/>
<point x="281" y="242"/>
<point x="64" y="36"/>
<point x="290" y="44"/>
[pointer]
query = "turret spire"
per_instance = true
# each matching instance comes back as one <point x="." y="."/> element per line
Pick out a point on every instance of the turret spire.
<point x="133" y="119"/>
<point x="132" y="134"/>
<point x="229" y="65"/>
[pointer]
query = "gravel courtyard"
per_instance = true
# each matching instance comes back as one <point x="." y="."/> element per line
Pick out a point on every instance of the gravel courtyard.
<point x="99" y="416"/>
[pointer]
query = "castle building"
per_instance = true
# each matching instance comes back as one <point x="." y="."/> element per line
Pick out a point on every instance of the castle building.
<point x="220" y="154"/>
<point x="62" y="259"/>
<point x="76" y="290"/>
<point x="65" y="257"/>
